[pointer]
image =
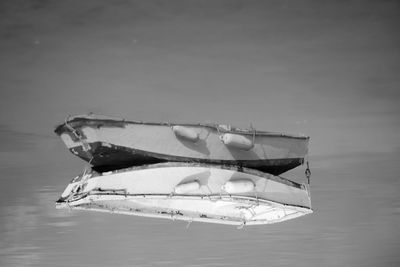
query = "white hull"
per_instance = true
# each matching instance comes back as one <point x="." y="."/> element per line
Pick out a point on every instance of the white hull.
<point x="190" y="192"/>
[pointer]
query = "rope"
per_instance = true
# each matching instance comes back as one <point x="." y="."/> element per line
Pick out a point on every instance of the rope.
<point x="254" y="132"/>
<point x="219" y="133"/>
<point x="188" y="224"/>
<point x="255" y="192"/>
<point x="242" y="225"/>
<point x="254" y="135"/>
<point x="74" y="131"/>
<point x="308" y="176"/>
<point x="308" y="173"/>
<point x="78" y="135"/>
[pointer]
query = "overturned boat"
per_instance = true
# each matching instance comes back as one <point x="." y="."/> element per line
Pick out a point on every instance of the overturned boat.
<point x="190" y="192"/>
<point x="110" y="144"/>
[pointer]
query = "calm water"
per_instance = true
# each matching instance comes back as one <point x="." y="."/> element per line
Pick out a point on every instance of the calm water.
<point x="356" y="222"/>
<point x="328" y="69"/>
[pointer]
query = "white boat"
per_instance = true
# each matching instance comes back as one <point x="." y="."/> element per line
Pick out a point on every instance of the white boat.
<point x="110" y="144"/>
<point x="190" y="192"/>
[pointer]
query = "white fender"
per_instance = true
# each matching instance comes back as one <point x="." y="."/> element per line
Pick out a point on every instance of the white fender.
<point x="187" y="187"/>
<point x="186" y="133"/>
<point x="238" y="186"/>
<point x="237" y="141"/>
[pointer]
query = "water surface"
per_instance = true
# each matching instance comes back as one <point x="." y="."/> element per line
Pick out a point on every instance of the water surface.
<point x="326" y="69"/>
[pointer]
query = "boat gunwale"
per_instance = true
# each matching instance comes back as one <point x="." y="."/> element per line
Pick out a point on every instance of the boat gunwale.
<point x="173" y="217"/>
<point x="211" y="197"/>
<point x="59" y="129"/>
<point x="245" y="170"/>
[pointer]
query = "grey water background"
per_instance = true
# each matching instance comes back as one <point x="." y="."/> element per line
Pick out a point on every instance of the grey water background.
<point x="326" y="69"/>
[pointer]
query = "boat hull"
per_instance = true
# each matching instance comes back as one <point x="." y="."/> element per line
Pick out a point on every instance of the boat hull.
<point x="113" y="144"/>
<point x="190" y="192"/>
<point x="106" y="157"/>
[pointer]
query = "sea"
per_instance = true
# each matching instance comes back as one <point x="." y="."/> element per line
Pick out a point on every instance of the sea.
<point x="355" y="222"/>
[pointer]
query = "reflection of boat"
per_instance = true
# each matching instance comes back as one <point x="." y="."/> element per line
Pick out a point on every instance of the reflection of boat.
<point x="110" y="144"/>
<point x="190" y="192"/>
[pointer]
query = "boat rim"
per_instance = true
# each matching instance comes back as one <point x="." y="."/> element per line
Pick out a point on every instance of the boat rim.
<point x="210" y="197"/>
<point x="104" y="120"/>
<point x="245" y="170"/>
